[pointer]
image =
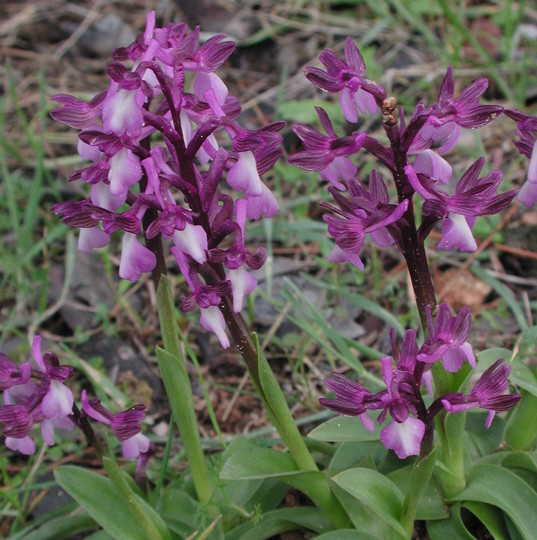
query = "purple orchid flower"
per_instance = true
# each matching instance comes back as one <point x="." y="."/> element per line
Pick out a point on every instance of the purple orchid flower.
<point x="473" y="197"/>
<point x="449" y="114"/>
<point x="125" y="425"/>
<point x="488" y="393"/>
<point x="527" y="146"/>
<point x="327" y="153"/>
<point x="446" y="339"/>
<point x="174" y="189"/>
<point x="357" y="92"/>
<point x="365" y="212"/>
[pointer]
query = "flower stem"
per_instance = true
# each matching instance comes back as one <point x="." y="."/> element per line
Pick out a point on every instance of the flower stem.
<point x="278" y="411"/>
<point x="177" y="384"/>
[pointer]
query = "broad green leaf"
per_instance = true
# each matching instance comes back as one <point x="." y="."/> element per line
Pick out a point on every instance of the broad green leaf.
<point x="151" y="524"/>
<point x="255" y="462"/>
<point x="420" y="476"/>
<point x="182" y="513"/>
<point x="431" y="503"/>
<point x="521" y="460"/>
<point x="486" y="358"/>
<point x="281" y="520"/>
<point x="346" y="534"/>
<point x="500" y="487"/>
<point x="485" y="441"/>
<point x="491" y="517"/>
<point x="344" y="429"/>
<point x="449" y="529"/>
<point x="353" y="454"/>
<point x="365" y="520"/>
<point x="62" y="527"/>
<point x="377" y="492"/>
<point x="522" y="376"/>
<point x="106" y="505"/>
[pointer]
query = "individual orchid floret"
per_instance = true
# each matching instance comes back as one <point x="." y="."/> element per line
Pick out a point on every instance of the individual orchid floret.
<point x="124" y="425"/>
<point x="327" y="153"/>
<point x="349" y="400"/>
<point x="17" y="422"/>
<point x="357" y="92"/>
<point x="527" y="146"/>
<point x="473" y="197"/>
<point x="463" y="111"/>
<point x="363" y="213"/>
<point x="489" y="393"/>
<point x="12" y="374"/>
<point x="447" y="339"/>
<point x="58" y="399"/>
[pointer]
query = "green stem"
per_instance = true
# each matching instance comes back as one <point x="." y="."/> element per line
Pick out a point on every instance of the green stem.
<point x="420" y="477"/>
<point x="522" y="426"/>
<point x="275" y="404"/>
<point x="179" y="391"/>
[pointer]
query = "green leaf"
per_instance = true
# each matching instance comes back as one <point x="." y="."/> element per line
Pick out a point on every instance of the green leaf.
<point x="255" y="462"/>
<point x="354" y="454"/>
<point x="365" y="520"/>
<point x="151" y="524"/>
<point x="500" y="487"/>
<point x="177" y="385"/>
<point x="491" y="517"/>
<point x="281" y="520"/>
<point x="182" y="513"/>
<point x="377" y="492"/>
<point x="62" y="527"/>
<point x="522" y="376"/>
<point x="480" y="441"/>
<point x="104" y="502"/>
<point x="344" y="429"/>
<point x="452" y="528"/>
<point x="420" y="477"/>
<point x="345" y="534"/>
<point x="431" y="503"/>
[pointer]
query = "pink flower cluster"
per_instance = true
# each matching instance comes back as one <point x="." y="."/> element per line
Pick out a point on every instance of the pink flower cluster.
<point x="414" y="158"/>
<point x="158" y="155"/>
<point x="48" y="402"/>
<point x="402" y="398"/>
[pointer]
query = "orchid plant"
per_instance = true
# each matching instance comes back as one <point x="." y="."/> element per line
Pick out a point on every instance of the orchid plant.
<point x="172" y="170"/>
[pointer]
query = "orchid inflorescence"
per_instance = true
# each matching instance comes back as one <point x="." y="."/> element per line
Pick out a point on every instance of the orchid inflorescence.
<point x="402" y="399"/>
<point x="38" y="396"/>
<point x="414" y="158"/>
<point x="159" y="155"/>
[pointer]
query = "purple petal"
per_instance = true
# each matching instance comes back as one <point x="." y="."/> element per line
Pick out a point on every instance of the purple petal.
<point x="58" y="401"/>
<point x="457" y="234"/>
<point x="125" y="171"/>
<point x="135" y="258"/>
<point x="136" y="445"/>
<point x="242" y="284"/>
<point x="431" y="164"/>
<point x="25" y="445"/>
<point x="213" y="321"/>
<point x="192" y="240"/>
<point x="403" y="438"/>
<point x="243" y="176"/>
